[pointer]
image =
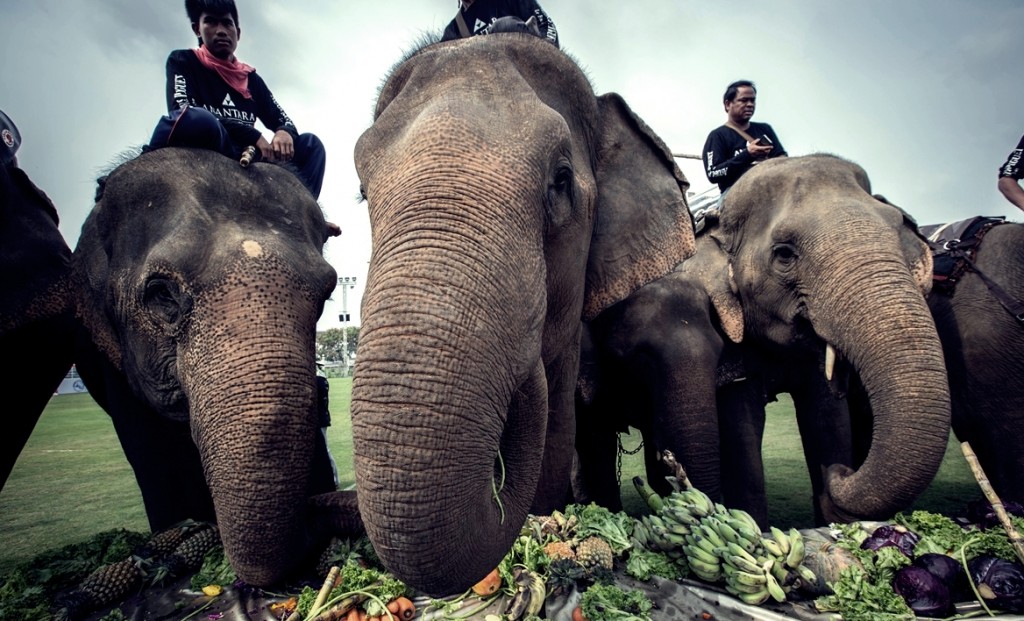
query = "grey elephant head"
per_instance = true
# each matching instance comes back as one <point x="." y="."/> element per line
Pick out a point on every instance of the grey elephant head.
<point x="507" y="201"/>
<point x="816" y="261"/>
<point x="200" y="284"/>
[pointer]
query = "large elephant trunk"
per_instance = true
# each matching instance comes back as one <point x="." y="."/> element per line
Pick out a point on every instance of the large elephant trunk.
<point x="449" y="397"/>
<point x="882" y="325"/>
<point x="250" y="406"/>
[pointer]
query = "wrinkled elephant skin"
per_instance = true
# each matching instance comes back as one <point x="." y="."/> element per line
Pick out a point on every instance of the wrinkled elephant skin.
<point x="200" y="284"/>
<point x="36" y="315"/>
<point x="507" y="201"/>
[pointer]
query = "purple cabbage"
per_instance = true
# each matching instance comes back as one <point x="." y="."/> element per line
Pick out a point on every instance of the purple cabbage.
<point x="898" y="536"/>
<point x="926" y="594"/>
<point x="948" y="570"/>
<point x="1000" y="582"/>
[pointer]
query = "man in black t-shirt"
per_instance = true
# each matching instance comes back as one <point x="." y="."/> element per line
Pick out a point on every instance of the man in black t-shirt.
<point x="1010" y="174"/>
<point x="214" y="100"/>
<point x="735" y="147"/>
<point x="477" y="17"/>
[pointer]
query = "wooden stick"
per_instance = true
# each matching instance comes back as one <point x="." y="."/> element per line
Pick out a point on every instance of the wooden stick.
<point x="686" y="156"/>
<point x="997" y="505"/>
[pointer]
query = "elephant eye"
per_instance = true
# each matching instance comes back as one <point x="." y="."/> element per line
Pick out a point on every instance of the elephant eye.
<point x="784" y="255"/>
<point x="164" y="299"/>
<point x="559" y="199"/>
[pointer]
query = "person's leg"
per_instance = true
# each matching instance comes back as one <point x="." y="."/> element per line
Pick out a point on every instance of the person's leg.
<point x="192" y="127"/>
<point x="311" y="161"/>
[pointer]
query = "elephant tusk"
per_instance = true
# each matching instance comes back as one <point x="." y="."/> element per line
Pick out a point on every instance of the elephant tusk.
<point x="830" y="361"/>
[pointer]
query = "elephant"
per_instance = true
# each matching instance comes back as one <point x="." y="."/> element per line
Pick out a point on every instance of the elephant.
<point x="983" y="344"/>
<point x="198" y="284"/>
<point x="777" y="294"/>
<point x="508" y="202"/>
<point x="37" y="320"/>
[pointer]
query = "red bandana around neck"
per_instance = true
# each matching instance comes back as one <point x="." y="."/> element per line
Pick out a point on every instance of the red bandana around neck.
<point x="234" y="72"/>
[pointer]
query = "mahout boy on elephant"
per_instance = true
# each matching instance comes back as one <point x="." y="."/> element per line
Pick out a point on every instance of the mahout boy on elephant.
<point x="807" y="282"/>
<point x="199" y="284"/>
<point x="36" y="314"/>
<point x="507" y="201"/>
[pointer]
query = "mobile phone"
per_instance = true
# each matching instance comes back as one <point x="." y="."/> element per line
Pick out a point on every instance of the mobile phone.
<point x="765" y="141"/>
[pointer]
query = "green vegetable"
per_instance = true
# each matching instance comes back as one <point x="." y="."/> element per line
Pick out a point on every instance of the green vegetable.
<point x="215" y="570"/>
<point x="939" y="534"/>
<point x="607" y="602"/>
<point x="643" y="564"/>
<point x="615" y="528"/>
<point x="354" y="577"/>
<point x="857" y="597"/>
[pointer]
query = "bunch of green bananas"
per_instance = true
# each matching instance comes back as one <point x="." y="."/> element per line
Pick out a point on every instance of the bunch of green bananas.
<point x="723" y="545"/>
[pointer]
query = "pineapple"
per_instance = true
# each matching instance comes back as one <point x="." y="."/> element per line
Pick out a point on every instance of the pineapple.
<point x="559" y="550"/>
<point x="594" y="552"/>
<point x="188" y="556"/>
<point x="107" y="585"/>
<point x="165" y="541"/>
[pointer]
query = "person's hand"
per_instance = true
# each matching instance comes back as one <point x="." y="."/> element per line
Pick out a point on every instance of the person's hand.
<point x="758" y="150"/>
<point x="283" y="146"/>
<point x="266" y="151"/>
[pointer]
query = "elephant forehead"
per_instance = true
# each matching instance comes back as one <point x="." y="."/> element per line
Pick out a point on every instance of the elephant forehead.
<point x="252" y="248"/>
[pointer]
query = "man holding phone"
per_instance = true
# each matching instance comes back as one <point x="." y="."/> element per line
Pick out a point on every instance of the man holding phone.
<point x="735" y="147"/>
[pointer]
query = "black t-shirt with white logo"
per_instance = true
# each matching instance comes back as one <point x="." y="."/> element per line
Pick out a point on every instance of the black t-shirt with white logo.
<point x="482" y="13"/>
<point x="190" y="83"/>
<point x="1014" y="167"/>
<point x="725" y="152"/>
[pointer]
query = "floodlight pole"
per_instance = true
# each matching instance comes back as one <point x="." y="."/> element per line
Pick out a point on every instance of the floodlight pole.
<point x="346" y="283"/>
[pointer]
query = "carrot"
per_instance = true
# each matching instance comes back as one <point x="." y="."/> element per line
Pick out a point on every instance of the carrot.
<point x="406" y="609"/>
<point x="577" y="614"/>
<point x="362" y="615"/>
<point x="394" y="607"/>
<point x="489" y="585"/>
<point x="353" y="615"/>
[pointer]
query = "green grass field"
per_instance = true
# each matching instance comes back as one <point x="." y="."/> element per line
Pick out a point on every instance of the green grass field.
<point x="72" y="480"/>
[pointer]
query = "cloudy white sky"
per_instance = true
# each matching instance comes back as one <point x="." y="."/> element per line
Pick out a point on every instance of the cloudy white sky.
<point x="925" y="94"/>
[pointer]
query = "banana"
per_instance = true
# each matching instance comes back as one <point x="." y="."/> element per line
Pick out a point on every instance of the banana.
<point x="755" y="599"/>
<point x="701" y="554"/>
<point x="705" y="544"/>
<point x="744" y="577"/>
<point x="651" y="497"/>
<point x="698" y="502"/>
<point x="677" y="527"/>
<point x="781" y="574"/>
<point x="737" y="589"/>
<point x="781" y="538"/>
<point x="773" y="548"/>
<point x="750" y="535"/>
<point x="674" y="539"/>
<point x="741" y="563"/>
<point x="737" y="550"/>
<point x="640" y="535"/>
<point x="796" y="549"/>
<point x="517" y="606"/>
<point x="711" y="572"/>
<point x="806" y="575"/>
<point x="707" y="531"/>
<point x="774" y="588"/>
<point x="538" y="592"/>
<point x="748" y="519"/>
<point x="680" y="514"/>
<point x="727" y="531"/>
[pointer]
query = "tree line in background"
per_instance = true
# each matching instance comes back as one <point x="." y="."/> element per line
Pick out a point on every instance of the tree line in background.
<point x="337" y="344"/>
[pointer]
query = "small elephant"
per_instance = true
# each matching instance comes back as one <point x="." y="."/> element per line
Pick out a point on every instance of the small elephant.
<point x="199" y="284"/>
<point x="776" y="290"/>
<point x="984" y="347"/>
<point x="37" y="320"/>
<point x="507" y="202"/>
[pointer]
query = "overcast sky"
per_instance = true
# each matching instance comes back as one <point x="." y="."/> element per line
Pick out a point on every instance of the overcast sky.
<point x="925" y="94"/>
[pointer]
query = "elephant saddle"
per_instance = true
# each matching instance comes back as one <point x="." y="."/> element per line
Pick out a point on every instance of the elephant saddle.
<point x="953" y="247"/>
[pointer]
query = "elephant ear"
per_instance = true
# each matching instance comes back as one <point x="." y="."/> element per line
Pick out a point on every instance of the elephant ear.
<point x="91" y="273"/>
<point x="642" y="224"/>
<point x="916" y="248"/>
<point x="713" y="270"/>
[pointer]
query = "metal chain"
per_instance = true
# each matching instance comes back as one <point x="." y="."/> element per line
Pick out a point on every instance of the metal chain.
<point x="618" y="456"/>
